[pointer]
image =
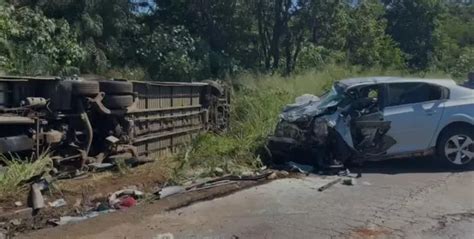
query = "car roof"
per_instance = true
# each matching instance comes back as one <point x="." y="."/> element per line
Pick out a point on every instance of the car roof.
<point x="371" y="80"/>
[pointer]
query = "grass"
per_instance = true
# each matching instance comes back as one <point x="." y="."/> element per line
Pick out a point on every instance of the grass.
<point x="19" y="170"/>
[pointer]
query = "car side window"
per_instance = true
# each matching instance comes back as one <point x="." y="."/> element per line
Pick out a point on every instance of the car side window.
<point x="410" y="93"/>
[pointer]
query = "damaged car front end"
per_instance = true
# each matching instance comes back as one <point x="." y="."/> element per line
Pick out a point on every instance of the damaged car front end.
<point x="343" y="124"/>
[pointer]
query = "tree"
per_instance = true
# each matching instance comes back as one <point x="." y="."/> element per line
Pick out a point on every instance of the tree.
<point x="413" y="24"/>
<point x="329" y="23"/>
<point x="37" y="44"/>
<point x="368" y="45"/>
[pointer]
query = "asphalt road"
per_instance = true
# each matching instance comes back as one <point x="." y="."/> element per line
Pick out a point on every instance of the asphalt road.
<point x="407" y="198"/>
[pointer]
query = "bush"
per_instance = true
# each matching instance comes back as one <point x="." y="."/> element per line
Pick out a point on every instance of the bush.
<point x="314" y="57"/>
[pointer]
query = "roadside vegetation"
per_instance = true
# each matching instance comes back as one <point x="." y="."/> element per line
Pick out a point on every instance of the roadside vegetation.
<point x="19" y="170"/>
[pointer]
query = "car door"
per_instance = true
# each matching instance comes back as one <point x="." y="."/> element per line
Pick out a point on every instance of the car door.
<point x="414" y="110"/>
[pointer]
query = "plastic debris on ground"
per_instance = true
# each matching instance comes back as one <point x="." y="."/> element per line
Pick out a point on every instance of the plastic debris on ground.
<point x="126" y="202"/>
<point x="74" y="219"/>
<point x="101" y="166"/>
<point x="124" y="198"/>
<point x="58" y="203"/>
<point x="301" y="168"/>
<point x="171" y="190"/>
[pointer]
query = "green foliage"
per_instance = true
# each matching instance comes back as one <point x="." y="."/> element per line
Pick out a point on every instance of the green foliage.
<point x="18" y="171"/>
<point x="183" y="40"/>
<point x="39" y="45"/>
<point x="455" y="39"/>
<point x="167" y="54"/>
<point x="317" y="58"/>
<point x="367" y="42"/>
<point x="464" y="64"/>
<point x="413" y="24"/>
<point x="330" y="23"/>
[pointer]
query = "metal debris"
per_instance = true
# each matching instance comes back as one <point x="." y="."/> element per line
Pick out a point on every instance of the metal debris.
<point x="301" y="168"/>
<point x="330" y="184"/>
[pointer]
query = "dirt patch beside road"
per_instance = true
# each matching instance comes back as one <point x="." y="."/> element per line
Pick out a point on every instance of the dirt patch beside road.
<point x="139" y="213"/>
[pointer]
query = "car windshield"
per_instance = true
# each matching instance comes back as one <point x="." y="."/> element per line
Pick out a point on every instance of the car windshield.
<point x="332" y="98"/>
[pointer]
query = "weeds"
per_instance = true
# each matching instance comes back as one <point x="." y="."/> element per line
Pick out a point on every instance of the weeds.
<point x="19" y="170"/>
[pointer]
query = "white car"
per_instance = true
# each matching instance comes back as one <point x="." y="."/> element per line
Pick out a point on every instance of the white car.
<point x="376" y="118"/>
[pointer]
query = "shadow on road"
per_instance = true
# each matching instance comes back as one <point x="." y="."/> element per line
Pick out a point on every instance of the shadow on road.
<point x="408" y="165"/>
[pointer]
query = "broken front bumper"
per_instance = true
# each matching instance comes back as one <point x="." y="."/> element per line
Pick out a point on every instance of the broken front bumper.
<point x="283" y="146"/>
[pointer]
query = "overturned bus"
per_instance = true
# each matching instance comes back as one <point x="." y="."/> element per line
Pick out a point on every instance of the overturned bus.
<point x="89" y="121"/>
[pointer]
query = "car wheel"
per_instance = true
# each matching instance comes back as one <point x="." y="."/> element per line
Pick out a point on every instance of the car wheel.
<point x="116" y="87"/>
<point x="456" y="146"/>
<point x="117" y="101"/>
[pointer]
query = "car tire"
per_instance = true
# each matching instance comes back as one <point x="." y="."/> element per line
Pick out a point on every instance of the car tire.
<point x="456" y="147"/>
<point x="85" y="88"/>
<point x="117" y="101"/>
<point x="116" y="87"/>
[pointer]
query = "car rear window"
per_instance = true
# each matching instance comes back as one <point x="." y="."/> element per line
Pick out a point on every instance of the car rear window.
<point x="410" y="93"/>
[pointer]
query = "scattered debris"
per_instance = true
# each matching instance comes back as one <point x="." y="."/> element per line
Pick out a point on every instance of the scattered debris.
<point x="15" y="222"/>
<point x="330" y="184"/>
<point x="272" y="176"/>
<point x="283" y="174"/>
<point x="74" y="219"/>
<point x="77" y="203"/>
<point x="18" y="204"/>
<point x="101" y="166"/>
<point x="349" y="181"/>
<point x="36" y="197"/>
<point x="218" y="171"/>
<point x="171" y="190"/>
<point x="124" y="198"/>
<point x="58" y="203"/>
<point x="301" y="168"/>
<point x="126" y="202"/>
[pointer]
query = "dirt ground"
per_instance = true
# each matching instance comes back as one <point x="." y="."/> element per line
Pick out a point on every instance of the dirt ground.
<point x="78" y="193"/>
<point x="409" y="198"/>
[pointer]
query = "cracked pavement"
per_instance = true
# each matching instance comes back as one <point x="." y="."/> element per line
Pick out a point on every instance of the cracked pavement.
<point x="408" y="198"/>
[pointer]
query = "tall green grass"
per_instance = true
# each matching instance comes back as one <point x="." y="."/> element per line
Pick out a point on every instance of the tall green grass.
<point x="18" y="170"/>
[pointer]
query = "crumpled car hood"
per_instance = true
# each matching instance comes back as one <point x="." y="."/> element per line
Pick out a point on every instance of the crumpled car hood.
<point x="305" y="108"/>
